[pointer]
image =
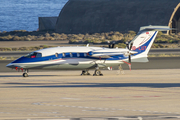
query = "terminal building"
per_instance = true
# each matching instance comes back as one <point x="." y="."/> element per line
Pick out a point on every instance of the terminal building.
<point x="97" y="16"/>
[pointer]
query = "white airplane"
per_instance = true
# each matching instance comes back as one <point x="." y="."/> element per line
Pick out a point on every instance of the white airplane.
<point x="85" y="58"/>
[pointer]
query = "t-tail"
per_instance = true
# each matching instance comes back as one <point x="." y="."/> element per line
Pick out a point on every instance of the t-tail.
<point x="143" y="42"/>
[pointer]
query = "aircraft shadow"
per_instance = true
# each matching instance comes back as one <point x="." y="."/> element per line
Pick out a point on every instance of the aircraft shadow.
<point x="10" y="75"/>
<point x="6" y="76"/>
<point x="92" y="85"/>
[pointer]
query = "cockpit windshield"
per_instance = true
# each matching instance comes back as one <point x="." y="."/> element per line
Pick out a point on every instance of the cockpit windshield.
<point x="33" y="55"/>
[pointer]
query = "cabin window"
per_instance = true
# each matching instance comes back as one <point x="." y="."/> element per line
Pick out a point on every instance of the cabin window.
<point x="78" y="54"/>
<point x="67" y="54"/>
<point x="74" y="54"/>
<point x="71" y="55"/>
<point x="33" y="55"/>
<point x="85" y="54"/>
<point x="81" y="54"/>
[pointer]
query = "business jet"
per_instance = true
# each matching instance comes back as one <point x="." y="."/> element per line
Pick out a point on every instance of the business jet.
<point x="85" y="57"/>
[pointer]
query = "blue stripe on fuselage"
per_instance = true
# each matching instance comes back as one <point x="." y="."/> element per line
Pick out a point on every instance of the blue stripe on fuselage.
<point x="52" y="57"/>
<point x="40" y="59"/>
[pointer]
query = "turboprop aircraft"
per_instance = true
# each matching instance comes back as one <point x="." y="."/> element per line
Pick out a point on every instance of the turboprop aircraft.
<point x="85" y="58"/>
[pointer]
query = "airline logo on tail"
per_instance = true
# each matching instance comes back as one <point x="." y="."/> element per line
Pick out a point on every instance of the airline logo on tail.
<point x="139" y="48"/>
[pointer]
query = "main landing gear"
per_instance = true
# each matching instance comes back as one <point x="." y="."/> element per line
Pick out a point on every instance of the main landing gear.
<point x="85" y="72"/>
<point x="25" y="73"/>
<point x="97" y="72"/>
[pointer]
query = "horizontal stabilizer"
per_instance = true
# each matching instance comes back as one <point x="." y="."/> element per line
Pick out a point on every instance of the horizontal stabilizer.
<point x="143" y="59"/>
<point x="155" y="28"/>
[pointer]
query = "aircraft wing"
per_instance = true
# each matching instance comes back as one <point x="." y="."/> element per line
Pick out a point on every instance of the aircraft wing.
<point x="102" y="56"/>
<point x="111" y="52"/>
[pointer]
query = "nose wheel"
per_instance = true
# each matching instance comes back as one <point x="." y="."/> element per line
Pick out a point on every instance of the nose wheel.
<point x="25" y="73"/>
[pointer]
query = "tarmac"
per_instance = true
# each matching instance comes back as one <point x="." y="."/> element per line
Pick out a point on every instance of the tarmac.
<point x="53" y="95"/>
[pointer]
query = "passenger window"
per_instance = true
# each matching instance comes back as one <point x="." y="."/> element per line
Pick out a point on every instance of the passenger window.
<point x="67" y="54"/>
<point x="78" y="54"/>
<point x="71" y="55"/>
<point x="74" y="54"/>
<point x="81" y="54"/>
<point x="85" y="54"/>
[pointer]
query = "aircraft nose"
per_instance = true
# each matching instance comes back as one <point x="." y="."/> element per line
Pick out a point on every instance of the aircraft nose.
<point x="10" y="65"/>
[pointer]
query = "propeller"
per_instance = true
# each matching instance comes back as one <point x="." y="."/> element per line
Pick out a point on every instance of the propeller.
<point x="129" y="53"/>
<point x="111" y="45"/>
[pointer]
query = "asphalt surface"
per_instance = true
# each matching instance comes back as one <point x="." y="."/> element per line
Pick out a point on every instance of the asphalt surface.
<point x="135" y="95"/>
<point x="164" y="50"/>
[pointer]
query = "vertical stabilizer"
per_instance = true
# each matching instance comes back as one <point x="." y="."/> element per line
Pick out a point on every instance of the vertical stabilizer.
<point x="144" y="40"/>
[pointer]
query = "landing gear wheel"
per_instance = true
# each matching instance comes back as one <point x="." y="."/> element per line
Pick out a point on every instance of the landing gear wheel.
<point x="85" y="72"/>
<point x="25" y="75"/>
<point x="97" y="73"/>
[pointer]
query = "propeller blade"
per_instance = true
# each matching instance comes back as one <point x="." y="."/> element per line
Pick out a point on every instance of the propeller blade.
<point x="129" y="58"/>
<point x="127" y="45"/>
<point x="109" y="44"/>
<point x="131" y="46"/>
<point x="113" y="45"/>
<point x="129" y="62"/>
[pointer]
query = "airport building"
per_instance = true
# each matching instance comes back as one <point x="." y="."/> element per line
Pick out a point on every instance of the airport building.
<point x="97" y="16"/>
